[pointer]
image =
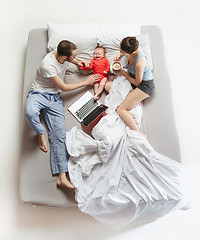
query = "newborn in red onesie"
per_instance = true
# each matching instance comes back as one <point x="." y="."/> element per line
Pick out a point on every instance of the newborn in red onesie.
<point x="100" y="65"/>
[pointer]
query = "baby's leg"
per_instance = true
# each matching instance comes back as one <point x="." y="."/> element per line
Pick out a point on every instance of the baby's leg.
<point x="100" y="88"/>
<point x="96" y="89"/>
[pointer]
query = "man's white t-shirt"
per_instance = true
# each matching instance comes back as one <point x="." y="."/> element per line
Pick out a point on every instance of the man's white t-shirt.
<point x="49" y="67"/>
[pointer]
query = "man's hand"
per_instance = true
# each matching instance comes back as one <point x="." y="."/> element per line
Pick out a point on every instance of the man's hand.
<point x="83" y="63"/>
<point x="93" y="79"/>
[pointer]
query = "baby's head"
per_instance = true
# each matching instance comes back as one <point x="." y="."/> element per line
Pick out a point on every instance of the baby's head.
<point x="99" y="52"/>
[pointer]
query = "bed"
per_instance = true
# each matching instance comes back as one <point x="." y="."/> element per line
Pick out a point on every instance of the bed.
<point x="37" y="186"/>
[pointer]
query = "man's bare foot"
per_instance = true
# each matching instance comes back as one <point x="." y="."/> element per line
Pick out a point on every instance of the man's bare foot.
<point x="64" y="182"/>
<point x="42" y="143"/>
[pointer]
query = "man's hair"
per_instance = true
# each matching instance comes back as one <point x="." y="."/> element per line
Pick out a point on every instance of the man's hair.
<point x="65" y="48"/>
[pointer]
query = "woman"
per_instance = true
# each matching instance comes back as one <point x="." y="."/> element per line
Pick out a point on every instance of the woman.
<point x="139" y="75"/>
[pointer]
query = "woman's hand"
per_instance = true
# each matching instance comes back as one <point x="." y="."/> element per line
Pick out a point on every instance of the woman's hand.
<point x="118" y="73"/>
<point x="93" y="79"/>
<point x="122" y="73"/>
<point x="125" y="72"/>
<point x="118" y="56"/>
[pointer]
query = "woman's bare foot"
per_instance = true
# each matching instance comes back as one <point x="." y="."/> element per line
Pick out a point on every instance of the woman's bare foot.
<point x="64" y="182"/>
<point x="145" y="136"/>
<point x="42" y="143"/>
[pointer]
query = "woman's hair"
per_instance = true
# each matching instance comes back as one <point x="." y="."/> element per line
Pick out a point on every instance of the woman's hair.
<point x="99" y="46"/>
<point x="129" y="44"/>
<point x="65" y="48"/>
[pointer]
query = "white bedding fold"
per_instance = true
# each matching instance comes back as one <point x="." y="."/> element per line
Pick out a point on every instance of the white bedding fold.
<point x="118" y="176"/>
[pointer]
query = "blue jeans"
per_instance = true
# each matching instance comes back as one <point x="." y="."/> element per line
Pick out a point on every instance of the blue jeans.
<point x="52" y="107"/>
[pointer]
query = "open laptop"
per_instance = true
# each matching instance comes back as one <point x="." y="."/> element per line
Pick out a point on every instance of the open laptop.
<point x="86" y="110"/>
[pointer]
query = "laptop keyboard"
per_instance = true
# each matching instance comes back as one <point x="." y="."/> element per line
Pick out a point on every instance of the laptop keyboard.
<point x="94" y="115"/>
<point x="86" y="108"/>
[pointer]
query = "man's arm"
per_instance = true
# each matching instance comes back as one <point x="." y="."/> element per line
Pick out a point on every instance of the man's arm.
<point x="58" y="82"/>
<point x="76" y="61"/>
<point x="88" y="66"/>
<point x="80" y="63"/>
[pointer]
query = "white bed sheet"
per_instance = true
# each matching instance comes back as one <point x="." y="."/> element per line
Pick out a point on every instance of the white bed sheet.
<point x="119" y="178"/>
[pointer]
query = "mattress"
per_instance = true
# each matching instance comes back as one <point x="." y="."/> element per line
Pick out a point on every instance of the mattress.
<point x="37" y="186"/>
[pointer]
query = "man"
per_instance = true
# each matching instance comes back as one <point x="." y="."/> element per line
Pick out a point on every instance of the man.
<point x="45" y="95"/>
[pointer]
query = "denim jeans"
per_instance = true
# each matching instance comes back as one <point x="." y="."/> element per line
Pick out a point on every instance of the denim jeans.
<point x="52" y="107"/>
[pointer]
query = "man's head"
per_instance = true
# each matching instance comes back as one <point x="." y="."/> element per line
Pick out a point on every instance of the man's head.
<point x="67" y="50"/>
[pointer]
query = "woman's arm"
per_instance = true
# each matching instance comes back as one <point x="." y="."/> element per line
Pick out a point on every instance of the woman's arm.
<point x="118" y="56"/>
<point x="139" y="71"/>
<point x="58" y="82"/>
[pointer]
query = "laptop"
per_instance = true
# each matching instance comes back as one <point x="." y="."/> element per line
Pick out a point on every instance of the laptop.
<point x="87" y="110"/>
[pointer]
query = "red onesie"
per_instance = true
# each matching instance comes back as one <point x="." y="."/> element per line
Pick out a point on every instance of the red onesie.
<point x="99" y="66"/>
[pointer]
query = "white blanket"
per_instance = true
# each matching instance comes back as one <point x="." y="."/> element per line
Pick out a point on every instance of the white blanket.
<point x="119" y="178"/>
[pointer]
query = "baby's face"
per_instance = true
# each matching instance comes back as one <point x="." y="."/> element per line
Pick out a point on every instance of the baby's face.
<point x="99" y="53"/>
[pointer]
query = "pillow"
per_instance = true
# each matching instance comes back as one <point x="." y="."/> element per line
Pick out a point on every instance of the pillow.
<point x="71" y="32"/>
<point x="79" y="31"/>
<point x="112" y="48"/>
<point x="118" y="30"/>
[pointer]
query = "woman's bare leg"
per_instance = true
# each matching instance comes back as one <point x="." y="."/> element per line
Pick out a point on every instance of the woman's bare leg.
<point x="131" y="101"/>
<point x="108" y="86"/>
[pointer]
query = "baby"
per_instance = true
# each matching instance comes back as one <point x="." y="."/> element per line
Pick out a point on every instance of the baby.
<point x="101" y="66"/>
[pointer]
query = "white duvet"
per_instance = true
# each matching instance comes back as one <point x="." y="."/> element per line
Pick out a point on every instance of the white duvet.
<point x="119" y="178"/>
